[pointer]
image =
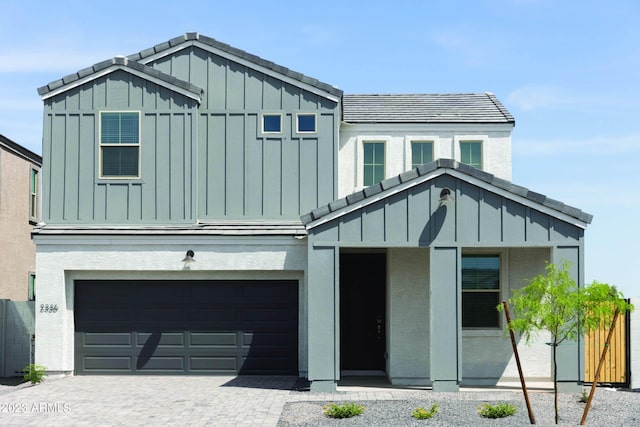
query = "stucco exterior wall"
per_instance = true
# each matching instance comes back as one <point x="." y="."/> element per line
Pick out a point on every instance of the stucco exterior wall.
<point x="496" y="148"/>
<point x="62" y="261"/>
<point x="408" y="316"/>
<point x="17" y="251"/>
<point x="487" y="356"/>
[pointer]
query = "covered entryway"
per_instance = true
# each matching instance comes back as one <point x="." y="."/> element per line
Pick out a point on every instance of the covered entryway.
<point x="186" y="327"/>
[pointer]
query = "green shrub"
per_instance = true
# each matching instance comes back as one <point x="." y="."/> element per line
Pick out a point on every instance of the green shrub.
<point x="34" y="373"/>
<point x="424" y="414"/>
<point x="346" y="410"/>
<point x="584" y="396"/>
<point x="499" y="410"/>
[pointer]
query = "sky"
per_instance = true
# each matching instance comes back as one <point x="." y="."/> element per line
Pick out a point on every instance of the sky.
<point x="569" y="72"/>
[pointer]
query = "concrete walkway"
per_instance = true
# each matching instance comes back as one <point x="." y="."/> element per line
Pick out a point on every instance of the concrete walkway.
<point x="171" y="400"/>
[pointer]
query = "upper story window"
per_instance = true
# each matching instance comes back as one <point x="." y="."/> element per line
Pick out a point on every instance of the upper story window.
<point x="33" y="196"/>
<point x="306" y="123"/>
<point x="373" y="166"/>
<point x="421" y="153"/>
<point x="272" y="123"/>
<point x="480" y="291"/>
<point x="119" y="144"/>
<point x="471" y="153"/>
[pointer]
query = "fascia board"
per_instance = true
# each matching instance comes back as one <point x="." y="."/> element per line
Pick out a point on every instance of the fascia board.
<point x="129" y="70"/>
<point x="517" y="198"/>
<point x="370" y="200"/>
<point x="241" y="61"/>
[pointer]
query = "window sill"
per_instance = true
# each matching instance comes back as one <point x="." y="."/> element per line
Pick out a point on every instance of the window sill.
<point x="482" y="332"/>
<point x="119" y="181"/>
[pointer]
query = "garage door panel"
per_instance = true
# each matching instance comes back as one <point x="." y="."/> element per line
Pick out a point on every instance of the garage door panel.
<point x="214" y="339"/>
<point x="195" y="327"/>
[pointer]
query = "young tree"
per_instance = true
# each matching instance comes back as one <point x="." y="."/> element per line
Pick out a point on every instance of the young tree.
<point x="553" y="302"/>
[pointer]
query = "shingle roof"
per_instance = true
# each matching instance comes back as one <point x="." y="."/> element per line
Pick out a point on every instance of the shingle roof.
<point x="425" y="108"/>
<point x="190" y="38"/>
<point x="399" y="181"/>
<point x="122" y="62"/>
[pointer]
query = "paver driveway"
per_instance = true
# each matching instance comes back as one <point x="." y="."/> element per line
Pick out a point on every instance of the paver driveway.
<point x="148" y="400"/>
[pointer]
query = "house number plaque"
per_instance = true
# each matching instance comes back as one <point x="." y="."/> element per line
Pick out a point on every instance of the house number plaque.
<point x="48" y="308"/>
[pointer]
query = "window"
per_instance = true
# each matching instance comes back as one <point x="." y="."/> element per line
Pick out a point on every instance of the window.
<point x="33" y="196"/>
<point x="471" y="153"/>
<point x="32" y="286"/>
<point x="306" y="123"/>
<point x="421" y="153"/>
<point x="373" y="162"/>
<point x="272" y="123"/>
<point x="480" y="291"/>
<point x="119" y="144"/>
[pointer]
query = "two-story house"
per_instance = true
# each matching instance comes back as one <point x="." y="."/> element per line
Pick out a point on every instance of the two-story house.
<point x="210" y="212"/>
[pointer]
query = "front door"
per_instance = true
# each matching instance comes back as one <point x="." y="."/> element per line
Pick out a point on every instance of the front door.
<point x="362" y="311"/>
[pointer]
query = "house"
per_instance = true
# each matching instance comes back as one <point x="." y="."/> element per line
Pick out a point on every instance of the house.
<point x="19" y="212"/>
<point x="210" y="212"/>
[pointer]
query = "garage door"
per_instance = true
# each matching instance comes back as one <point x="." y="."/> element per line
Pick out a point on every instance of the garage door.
<point x="186" y="328"/>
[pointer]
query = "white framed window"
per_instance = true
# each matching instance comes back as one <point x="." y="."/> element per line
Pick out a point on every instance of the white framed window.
<point x="32" y="286"/>
<point x="373" y="159"/>
<point x="421" y="153"/>
<point x="119" y="144"/>
<point x="306" y="123"/>
<point x="482" y="276"/>
<point x="34" y="198"/>
<point x="271" y="123"/>
<point x="470" y="150"/>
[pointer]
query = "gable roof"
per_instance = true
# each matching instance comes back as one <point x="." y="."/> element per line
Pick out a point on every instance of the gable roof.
<point x="119" y="63"/>
<point x="19" y="150"/>
<point x="425" y="108"/>
<point x="428" y="171"/>
<point x="238" y="55"/>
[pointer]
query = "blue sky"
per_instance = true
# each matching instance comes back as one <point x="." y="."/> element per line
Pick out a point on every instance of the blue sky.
<point x="567" y="70"/>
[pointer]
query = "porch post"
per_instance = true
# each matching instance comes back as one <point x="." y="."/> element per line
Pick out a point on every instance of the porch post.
<point x="323" y="327"/>
<point x="571" y="353"/>
<point x="445" y="336"/>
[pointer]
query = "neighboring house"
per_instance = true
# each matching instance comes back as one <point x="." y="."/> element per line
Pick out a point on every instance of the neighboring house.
<point x="19" y="213"/>
<point x="210" y="212"/>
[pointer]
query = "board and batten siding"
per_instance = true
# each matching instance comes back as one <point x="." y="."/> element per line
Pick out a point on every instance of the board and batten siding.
<point x="414" y="218"/>
<point x="76" y="194"/>
<point x="244" y="174"/>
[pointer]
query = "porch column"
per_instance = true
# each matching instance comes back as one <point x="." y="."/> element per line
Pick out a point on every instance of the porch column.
<point x="323" y="327"/>
<point x="571" y="353"/>
<point x="445" y="335"/>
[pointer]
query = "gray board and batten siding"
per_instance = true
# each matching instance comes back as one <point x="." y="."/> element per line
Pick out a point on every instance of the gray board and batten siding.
<point x="406" y="211"/>
<point x="203" y="154"/>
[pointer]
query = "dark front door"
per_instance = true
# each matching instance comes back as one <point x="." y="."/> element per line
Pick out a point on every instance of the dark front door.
<point x="362" y="311"/>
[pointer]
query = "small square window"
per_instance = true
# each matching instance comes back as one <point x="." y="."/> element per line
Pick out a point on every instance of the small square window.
<point x="306" y="123"/>
<point x="471" y="153"/>
<point x="421" y="153"/>
<point x="272" y="123"/>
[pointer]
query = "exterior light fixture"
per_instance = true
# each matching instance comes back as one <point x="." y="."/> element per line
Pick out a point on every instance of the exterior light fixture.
<point x="188" y="259"/>
<point x="445" y="196"/>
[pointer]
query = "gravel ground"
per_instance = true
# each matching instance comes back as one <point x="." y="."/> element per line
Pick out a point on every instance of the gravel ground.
<point x="608" y="408"/>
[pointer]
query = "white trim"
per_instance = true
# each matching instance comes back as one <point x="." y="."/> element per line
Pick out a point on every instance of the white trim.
<point x="262" y="117"/>
<point x="315" y="124"/>
<point x="410" y="139"/>
<point x="482" y="139"/>
<point x="100" y="145"/>
<point x="241" y="61"/>
<point x="111" y="69"/>
<point x="360" y="141"/>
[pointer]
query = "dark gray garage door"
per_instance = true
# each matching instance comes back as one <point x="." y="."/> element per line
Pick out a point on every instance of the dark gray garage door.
<point x="187" y="328"/>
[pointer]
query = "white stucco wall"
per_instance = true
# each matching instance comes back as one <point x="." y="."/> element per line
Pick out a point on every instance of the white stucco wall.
<point x="61" y="261"/>
<point x="408" y="316"/>
<point x="496" y="148"/>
